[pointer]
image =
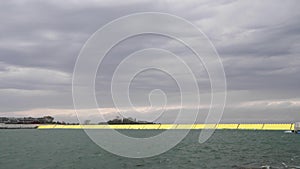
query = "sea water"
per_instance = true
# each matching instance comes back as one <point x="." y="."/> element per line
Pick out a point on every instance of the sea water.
<point x="72" y="149"/>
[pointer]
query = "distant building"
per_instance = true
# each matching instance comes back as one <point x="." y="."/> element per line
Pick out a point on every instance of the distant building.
<point x="127" y="121"/>
<point x="3" y="119"/>
<point x="27" y="120"/>
<point x="297" y="127"/>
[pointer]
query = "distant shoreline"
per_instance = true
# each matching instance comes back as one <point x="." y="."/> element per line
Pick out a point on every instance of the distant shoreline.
<point x="18" y="126"/>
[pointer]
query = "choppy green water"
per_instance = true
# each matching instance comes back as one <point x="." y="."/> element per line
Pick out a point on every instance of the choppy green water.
<point x="72" y="149"/>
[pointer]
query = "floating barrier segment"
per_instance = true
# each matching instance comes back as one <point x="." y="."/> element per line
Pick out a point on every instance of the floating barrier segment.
<point x="251" y="126"/>
<point x="227" y="126"/>
<point x="277" y="127"/>
<point x="175" y="126"/>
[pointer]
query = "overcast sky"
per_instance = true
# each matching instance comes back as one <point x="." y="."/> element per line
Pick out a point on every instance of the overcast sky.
<point x="258" y="42"/>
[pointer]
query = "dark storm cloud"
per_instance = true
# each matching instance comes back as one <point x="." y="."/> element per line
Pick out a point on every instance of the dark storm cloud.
<point x="258" y="41"/>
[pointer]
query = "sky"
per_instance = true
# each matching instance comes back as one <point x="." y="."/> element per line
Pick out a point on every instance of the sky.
<point x="258" y="43"/>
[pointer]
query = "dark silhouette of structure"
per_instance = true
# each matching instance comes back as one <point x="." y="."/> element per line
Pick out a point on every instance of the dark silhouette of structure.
<point x="127" y="121"/>
<point x="27" y="120"/>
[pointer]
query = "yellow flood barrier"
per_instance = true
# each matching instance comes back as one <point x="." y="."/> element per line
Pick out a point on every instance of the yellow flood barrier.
<point x="136" y="127"/>
<point x="199" y="126"/>
<point x="277" y="127"/>
<point x="227" y="126"/>
<point x="175" y="126"/>
<point x="46" y="126"/>
<point x="168" y="126"/>
<point x="250" y="126"/>
<point x="293" y="125"/>
<point x="151" y="126"/>
<point x="185" y="126"/>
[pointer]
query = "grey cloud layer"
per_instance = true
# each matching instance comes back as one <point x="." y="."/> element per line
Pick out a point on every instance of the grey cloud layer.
<point x="258" y="42"/>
